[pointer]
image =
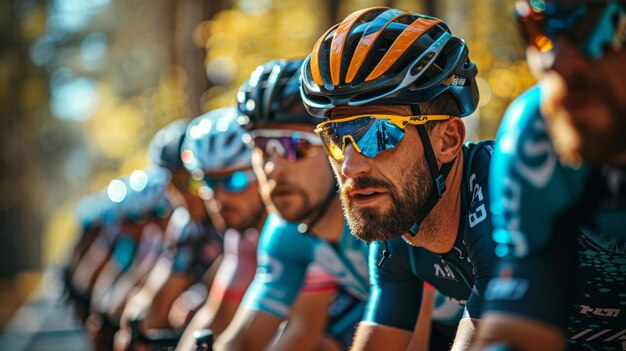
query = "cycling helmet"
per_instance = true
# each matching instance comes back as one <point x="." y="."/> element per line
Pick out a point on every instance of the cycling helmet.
<point x="146" y="194"/>
<point x="88" y="212"/>
<point x="387" y="56"/>
<point x="215" y="142"/>
<point x="272" y="95"/>
<point x="164" y="149"/>
<point x="110" y="201"/>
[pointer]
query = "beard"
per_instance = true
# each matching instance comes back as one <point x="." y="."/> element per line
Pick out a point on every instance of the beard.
<point x="369" y="224"/>
<point x="296" y="208"/>
<point x="249" y="221"/>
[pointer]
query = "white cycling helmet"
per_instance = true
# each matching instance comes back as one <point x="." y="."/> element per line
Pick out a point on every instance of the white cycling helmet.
<point x="216" y="142"/>
<point x="142" y="193"/>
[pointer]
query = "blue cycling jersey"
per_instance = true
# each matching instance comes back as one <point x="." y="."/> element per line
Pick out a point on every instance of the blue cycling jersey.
<point x="461" y="274"/>
<point x="560" y="232"/>
<point x="284" y="255"/>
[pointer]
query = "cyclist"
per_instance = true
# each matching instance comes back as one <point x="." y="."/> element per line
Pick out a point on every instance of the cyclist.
<point x="392" y="85"/>
<point x="88" y="215"/>
<point x="559" y="202"/>
<point x="215" y="150"/>
<point x="146" y="204"/>
<point x="192" y="244"/>
<point x="145" y="212"/>
<point x="306" y="233"/>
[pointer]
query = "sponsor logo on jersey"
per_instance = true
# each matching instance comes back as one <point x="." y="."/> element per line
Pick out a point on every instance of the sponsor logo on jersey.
<point x="443" y="271"/>
<point x="477" y="213"/>
<point x="537" y="159"/>
<point x="600" y="312"/>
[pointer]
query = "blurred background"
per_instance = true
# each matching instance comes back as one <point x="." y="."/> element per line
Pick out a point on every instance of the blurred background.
<point x="85" y="84"/>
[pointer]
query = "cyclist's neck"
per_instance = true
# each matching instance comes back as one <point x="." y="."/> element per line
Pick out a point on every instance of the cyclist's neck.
<point x="331" y="225"/>
<point x="438" y="231"/>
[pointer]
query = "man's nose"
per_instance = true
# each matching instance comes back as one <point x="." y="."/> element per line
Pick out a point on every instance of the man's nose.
<point x="354" y="163"/>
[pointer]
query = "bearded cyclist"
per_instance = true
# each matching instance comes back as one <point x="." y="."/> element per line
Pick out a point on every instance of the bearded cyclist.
<point x="392" y="86"/>
<point x="305" y="233"/>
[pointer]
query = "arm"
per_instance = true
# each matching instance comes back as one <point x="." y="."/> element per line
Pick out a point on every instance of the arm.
<point x="250" y="330"/>
<point x="525" y="334"/>
<point x="465" y="334"/>
<point x="233" y="277"/>
<point x="283" y="258"/>
<point x="529" y="300"/>
<point x="188" y="302"/>
<point x="231" y="281"/>
<point x="478" y="242"/>
<point x="421" y="335"/>
<point x="394" y="303"/>
<point x="380" y="337"/>
<point x="306" y="324"/>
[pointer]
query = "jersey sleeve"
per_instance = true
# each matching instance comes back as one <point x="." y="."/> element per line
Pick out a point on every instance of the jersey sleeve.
<point x="530" y="189"/>
<point x="395" y="291"/>
<point x="237" y="268"/>
<point x="479" y="243"/>
<point x="317" y="280"/>
<point x="283" y="257"/>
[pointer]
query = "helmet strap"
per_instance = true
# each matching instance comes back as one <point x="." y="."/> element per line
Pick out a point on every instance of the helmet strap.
<point x="439" y="176"/>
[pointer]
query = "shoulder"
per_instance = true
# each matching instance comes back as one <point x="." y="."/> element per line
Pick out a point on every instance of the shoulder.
<point x="398" y="262"/>
<point x="277" y="229"/>
<point x="282" y="238"/>
<point x="524" y="146"/>
<point x="478" y="158"/>
<point x="522" y="115"/>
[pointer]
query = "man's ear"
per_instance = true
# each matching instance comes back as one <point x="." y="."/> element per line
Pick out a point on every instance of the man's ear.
<point x="450" y="136"/>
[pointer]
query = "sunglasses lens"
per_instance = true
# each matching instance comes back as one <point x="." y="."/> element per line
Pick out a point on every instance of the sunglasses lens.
<point x="236" y="182"/>
<point x="370" y="135"/>
<point x="292" y="148"/>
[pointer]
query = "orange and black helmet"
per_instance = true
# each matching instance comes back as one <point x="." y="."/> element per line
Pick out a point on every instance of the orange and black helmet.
<point x="386" y="56"/>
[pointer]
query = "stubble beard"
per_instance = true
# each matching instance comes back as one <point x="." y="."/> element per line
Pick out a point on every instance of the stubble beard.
<point x="370" y="224"/>
<point x="293" y="212"/>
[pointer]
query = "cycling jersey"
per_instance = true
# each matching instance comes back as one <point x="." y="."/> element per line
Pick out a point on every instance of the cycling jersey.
<point x="238" y="266"/>
<point x="196" y="244"/>
<point x="284" y="255"/>
<point x="560" y="233"/>
<point x="461" y="274"/>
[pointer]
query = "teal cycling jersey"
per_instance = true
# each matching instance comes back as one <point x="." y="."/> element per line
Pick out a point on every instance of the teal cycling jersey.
<point x="462" y="274"/>
<point x="560" y="233"/>
<point x="284" y="255"/>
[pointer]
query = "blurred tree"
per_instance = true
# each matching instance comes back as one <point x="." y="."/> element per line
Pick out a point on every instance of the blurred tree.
<point x="23" y="109"/>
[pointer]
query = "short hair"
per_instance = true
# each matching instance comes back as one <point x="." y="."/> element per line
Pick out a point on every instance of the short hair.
<point x="444" y="104"/>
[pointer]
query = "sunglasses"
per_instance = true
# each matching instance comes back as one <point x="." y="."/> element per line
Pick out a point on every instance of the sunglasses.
<point x="234" y="183"/>
<point x="593" y="28"/>
<point x="369" y="134"/>
<point x="291" y="145"/>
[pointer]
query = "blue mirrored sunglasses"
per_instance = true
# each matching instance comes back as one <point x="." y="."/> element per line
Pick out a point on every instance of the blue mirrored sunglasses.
<point x="234" y="183"/>
<point x="369" y="134"/>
